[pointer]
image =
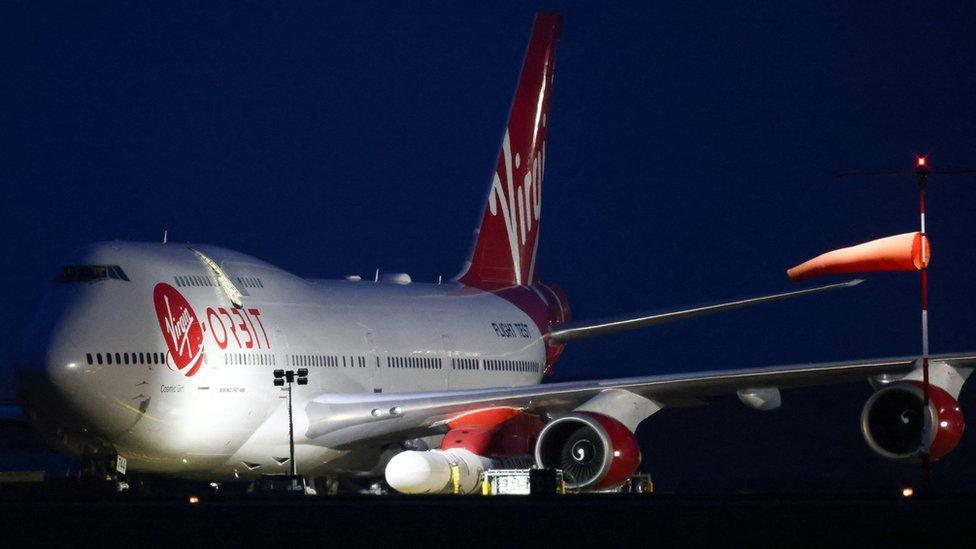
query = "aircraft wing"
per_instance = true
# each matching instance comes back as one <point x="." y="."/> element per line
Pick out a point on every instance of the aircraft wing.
<point x="580" y="330"/>
<point x="345" y="420"/>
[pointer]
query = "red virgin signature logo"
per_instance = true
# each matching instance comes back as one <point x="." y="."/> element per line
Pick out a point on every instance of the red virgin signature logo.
<point x="181" y="329"/>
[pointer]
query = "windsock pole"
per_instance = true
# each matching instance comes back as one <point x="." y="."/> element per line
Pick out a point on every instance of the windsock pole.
<point x="922" y="170"/>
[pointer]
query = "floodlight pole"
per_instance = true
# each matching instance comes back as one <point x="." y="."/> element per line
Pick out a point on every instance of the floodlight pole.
<point x="291" y="434"/>
<point x="281" y="377"/>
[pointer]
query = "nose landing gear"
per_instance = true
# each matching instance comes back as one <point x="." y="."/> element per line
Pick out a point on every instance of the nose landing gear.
<point x="106" y="467"/>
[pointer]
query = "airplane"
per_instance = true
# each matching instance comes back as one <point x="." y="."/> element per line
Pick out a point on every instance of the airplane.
<point x="164" y="355"/>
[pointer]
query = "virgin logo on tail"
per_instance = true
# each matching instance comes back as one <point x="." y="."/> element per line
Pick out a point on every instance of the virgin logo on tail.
<point x="520" y="205"/>
<point x="506" y="241"/>
<point x="181" y="329"/>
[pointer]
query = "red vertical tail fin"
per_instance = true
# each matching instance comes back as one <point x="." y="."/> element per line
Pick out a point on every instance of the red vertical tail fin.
<point x="504" y="249"/>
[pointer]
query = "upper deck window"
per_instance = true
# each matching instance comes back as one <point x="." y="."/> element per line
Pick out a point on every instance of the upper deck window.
<point x="90" y="273"/>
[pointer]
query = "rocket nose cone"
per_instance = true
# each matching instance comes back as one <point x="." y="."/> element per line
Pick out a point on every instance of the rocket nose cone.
<point x="414" y="472"/>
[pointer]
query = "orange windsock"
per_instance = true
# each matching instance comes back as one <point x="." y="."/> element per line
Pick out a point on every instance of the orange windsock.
<point x="894" y="253"/>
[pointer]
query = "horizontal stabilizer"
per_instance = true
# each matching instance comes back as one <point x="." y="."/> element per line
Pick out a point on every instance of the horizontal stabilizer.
<point x="581" y="330"/>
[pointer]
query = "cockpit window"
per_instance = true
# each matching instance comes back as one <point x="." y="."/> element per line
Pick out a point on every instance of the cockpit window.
<point x="90" y="273"/>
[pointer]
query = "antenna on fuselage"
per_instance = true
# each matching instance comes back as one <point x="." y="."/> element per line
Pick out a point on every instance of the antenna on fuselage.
<point x="165" y="236"/>
<point x="376" y="278"/>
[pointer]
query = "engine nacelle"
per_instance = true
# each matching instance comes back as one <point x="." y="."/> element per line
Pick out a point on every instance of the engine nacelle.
<point x="892" y="421"/>
<point x="594" y="451"/>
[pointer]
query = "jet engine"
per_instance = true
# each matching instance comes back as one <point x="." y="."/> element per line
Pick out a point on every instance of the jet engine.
<point x="893" y="418"/>
<point x="594" y="451"/>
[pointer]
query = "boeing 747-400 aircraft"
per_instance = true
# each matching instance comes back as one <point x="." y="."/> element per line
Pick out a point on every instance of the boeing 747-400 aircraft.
<point x="163" y="353"/>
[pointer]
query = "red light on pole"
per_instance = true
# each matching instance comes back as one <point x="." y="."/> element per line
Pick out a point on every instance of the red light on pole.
<point x="921" y="165"/>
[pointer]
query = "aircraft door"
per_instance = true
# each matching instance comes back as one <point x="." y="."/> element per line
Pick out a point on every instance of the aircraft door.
<point x="373" y="378"/>
<point x="447" y="355"/>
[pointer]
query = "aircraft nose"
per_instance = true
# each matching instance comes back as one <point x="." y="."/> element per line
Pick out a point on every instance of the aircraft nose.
<point x="53" y="365"/>
<point x="66" y="396"/>
<point x="67" y="390"/>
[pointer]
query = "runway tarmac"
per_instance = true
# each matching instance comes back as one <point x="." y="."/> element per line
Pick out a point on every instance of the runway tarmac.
<point x="61" y="510"/>
<point x="589" y="521"/>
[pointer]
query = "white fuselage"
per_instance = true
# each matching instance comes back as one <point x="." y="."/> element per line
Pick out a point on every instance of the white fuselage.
<point x="100" y="371"/>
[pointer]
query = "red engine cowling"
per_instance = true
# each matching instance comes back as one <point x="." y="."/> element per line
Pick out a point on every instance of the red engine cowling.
<point x="892" y="421"/>
<point x="594" y="451"/>
<point x="496" y="432"/>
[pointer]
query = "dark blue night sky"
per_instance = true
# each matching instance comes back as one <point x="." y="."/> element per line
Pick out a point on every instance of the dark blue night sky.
<point x="690" y="159"/>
